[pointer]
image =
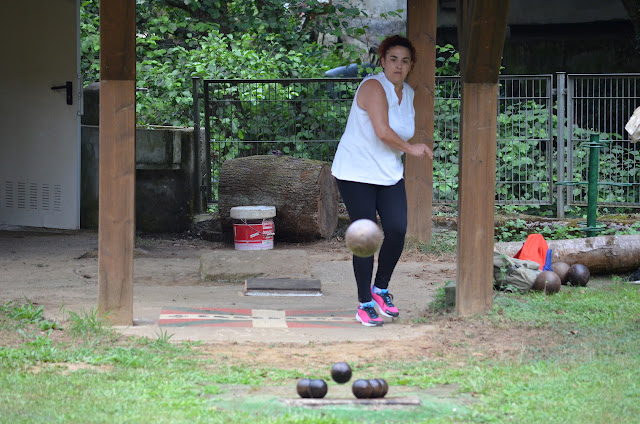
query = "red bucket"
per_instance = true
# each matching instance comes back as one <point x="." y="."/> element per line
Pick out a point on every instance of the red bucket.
<point x="253" y="234"/>
<point x="253" y="227"/>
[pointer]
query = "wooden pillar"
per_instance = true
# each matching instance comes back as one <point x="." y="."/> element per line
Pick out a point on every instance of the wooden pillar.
<point x="116" y="231"/>
<point x="476" y="194"/>
<point x="481" y="31"/>
<point x="421" y="30"/>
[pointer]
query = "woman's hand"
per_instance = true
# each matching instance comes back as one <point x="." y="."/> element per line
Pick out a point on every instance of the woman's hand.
<point x="419" y="150"/>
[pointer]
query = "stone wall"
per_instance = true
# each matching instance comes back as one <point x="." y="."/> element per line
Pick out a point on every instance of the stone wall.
<point x="166" y="187"/>
<point x="165" y="179"/>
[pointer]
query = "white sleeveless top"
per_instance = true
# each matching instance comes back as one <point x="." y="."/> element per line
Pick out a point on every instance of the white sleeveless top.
<point x="362" y="156"/>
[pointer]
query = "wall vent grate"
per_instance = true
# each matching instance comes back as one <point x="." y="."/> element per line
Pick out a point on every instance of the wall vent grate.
<point x="57" y="197"/>
<point x="8" y="194"/>
<point x="46" y="197"/>
<point x="31" y="195"/>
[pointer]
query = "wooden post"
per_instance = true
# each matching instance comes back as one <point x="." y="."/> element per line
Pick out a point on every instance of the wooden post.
<point x="116" y="231"/>
<point x="421" y="30"/>
<point x="476" y="194"/>
<point x="481" y="32"/>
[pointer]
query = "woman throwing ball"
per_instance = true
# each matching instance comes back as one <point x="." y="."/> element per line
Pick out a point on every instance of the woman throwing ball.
<point x="369" y="170"/>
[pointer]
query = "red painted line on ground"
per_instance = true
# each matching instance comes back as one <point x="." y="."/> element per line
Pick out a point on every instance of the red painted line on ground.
<point x="327" y="313"/>
<point x="190" y="318"/>
<point x="228" y="310"/>
<point x="307" y="325"/>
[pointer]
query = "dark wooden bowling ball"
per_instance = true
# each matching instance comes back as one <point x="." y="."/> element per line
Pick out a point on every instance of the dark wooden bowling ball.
<point x="318" y="388"/>
<point x="341" y="372"/>
<point x="303" y="388"/>
<point x="385" y="386"/>
<point x="578" y="275"/>
<point x="376" y="388"/>
<point x="561" y="268"/>
<point x="361" y="389"/>
<point x="548" y="282"/>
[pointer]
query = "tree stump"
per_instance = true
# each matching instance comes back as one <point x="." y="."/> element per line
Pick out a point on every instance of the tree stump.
<point x="303" y="191"/>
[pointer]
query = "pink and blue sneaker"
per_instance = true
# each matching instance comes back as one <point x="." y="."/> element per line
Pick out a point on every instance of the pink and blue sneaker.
<point x="384" y="302"/>
<point x="368" y="316"/>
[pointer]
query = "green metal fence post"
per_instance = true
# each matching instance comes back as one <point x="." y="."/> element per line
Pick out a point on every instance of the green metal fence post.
<point x="592" y="187"/>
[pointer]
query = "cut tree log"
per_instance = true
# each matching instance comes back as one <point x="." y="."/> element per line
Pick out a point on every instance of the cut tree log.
<point x="601" y="254"/>
<point x="303" y="191"/>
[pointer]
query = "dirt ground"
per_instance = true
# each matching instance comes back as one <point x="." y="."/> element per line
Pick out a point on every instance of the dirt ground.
<point x="58" y="270"/>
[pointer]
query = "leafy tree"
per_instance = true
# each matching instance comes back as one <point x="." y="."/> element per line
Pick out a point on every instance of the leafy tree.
<point x="179" y="39"/>
<point x="90" y="41"/>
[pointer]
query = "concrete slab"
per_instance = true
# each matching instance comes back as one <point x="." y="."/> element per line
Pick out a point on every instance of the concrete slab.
<point x="54" y="270"/>
<point x="338" y="293"/>
<point x="390" y="401"/>
<point x="282" y="287"/>
<point x="236" y="266"/>
<point x="258" y="318"/>
<point x="389" y="331"/>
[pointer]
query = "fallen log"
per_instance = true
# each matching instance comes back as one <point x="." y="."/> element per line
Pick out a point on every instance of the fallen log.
<point x="303" y="191"/>
<point x="602" y="254"/>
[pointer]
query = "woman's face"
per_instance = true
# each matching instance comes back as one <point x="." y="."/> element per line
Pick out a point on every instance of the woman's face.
<point x="397" y="63"/>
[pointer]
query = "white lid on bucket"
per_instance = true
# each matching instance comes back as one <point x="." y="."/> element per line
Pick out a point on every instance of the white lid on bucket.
<point x="253" y="212"/>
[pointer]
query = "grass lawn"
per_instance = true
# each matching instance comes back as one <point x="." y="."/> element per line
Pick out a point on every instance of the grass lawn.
<point x="583" y="368"/>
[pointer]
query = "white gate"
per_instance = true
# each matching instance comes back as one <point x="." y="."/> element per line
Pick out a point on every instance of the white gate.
<point x="40" y="100"/>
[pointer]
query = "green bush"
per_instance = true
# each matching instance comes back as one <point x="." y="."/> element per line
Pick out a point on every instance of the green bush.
<point x="177" y="40"/>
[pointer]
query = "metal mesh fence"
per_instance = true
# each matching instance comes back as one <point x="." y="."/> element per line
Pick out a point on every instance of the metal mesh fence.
<point x="524" y="140"/>
<point x="306" y="117"/>
<point x="602" y="104"/>
<point x="446" y="124"/>
<point x="524" y="166"/>
<point x="295" y="117"/>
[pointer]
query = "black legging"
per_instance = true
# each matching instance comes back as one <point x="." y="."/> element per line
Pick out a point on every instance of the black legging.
<point x="362" y="201"/>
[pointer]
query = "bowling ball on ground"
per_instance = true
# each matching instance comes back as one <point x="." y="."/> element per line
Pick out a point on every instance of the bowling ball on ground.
<point x="363" y="238"/>
<point x="376" y="388"/>
<point x="341" y="372"/>
<point x="548" y="282"/>
<point x="318" y="388"/>
<point x="361" y="389"/>
<point x="578" y="275"/>
<point x="385" y="386"/>
<point x="561" y="268"/>
<point x="303" y="388"/>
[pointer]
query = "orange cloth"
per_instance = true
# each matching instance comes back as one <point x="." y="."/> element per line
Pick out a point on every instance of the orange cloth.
<point x="534" y="249"/>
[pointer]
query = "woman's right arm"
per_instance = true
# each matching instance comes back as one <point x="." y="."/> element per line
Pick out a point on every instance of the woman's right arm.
<point x="372" y="98"/>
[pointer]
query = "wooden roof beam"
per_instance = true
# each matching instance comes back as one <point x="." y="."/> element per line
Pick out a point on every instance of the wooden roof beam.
<point x="482" y="25"/>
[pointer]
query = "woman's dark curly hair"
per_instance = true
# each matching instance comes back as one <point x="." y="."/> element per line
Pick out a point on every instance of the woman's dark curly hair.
<point x="393" y="41"/>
